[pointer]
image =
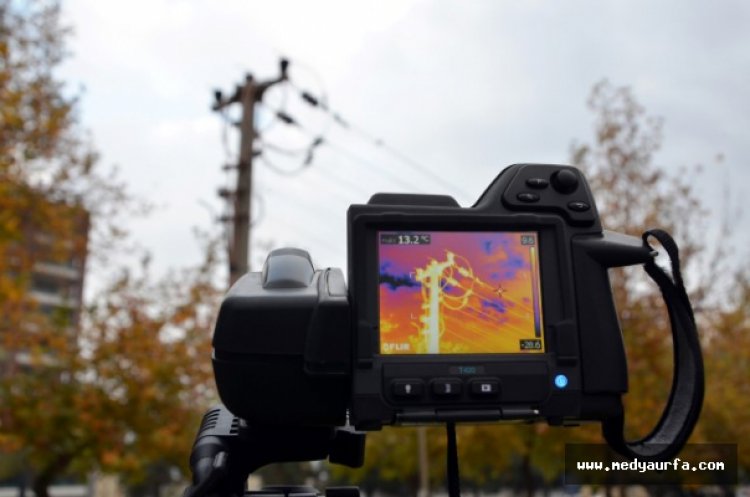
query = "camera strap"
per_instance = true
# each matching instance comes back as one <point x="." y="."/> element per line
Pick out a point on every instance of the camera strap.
<point x="686" y="398"/>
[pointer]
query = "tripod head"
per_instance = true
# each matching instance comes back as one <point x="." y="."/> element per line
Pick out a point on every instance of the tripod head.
<point x="227" y="450"/>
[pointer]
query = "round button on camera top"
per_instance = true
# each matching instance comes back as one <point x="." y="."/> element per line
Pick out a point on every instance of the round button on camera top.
<point x="565" y="181"/>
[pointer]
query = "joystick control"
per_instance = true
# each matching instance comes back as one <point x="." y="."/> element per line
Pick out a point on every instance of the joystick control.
<point x="551" y="188"/>
<point x="565" y="181"/>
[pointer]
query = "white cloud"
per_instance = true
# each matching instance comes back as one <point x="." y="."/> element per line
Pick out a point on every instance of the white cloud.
<point x="180" y="131"/>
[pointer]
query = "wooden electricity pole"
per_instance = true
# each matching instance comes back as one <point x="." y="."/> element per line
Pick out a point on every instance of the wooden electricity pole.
<point x="247" y="95"/>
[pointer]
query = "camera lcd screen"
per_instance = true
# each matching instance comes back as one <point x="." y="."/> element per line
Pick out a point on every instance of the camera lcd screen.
<point x="451" y="292"/>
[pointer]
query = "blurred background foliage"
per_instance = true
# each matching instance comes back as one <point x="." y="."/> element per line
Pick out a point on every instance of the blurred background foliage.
<point x="121" y="387"/>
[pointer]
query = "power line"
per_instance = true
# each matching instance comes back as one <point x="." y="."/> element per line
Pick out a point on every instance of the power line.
<point x="294" y="202"/>
<point x="286" y="151"/>
<point x="320" y="140"/>
<point x="280" y="170"/>
<point x="248" y="95"/>
<point x="375" y="141"/>
<point x="350" y="185"/>
<point x="284" y="101"/>
<point x="347" y="184"/>
<point x="309" y="235"/>
<point x="353" y="156"/>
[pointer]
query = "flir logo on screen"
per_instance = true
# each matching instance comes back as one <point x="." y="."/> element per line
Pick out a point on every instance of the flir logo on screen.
<point x="393" y="348"/>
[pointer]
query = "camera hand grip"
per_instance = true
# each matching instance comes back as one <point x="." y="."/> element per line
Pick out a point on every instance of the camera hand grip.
<point x="604" y="367"/>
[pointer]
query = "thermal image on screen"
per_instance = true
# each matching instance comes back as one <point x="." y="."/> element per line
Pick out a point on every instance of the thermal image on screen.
<point x="459" y="292"/>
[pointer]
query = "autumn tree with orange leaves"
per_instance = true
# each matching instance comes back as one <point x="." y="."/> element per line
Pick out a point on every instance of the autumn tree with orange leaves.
<point x="120" y="387"/>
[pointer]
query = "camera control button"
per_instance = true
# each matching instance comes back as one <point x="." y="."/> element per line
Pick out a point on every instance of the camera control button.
<point x="537" y="183"/>
<point x="447" y="387"/>
<point x="528" y="197"/>
<point x="565" y="181"/>
<point x="578" y="206"/>
<point x="484" y="387"/>
<point x="408" y="389"/>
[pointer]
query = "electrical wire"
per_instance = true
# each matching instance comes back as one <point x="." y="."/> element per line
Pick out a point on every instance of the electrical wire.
<point x="353" y="156"/>
<point x="284" y="100"/>
<point x="375" y="141"/>
<point x="349" y="185"/>
<point x="299" y="233"/>
<point x="301" y="206"/>
<point x="286" y="151"/>
<point x="308" y="233"/>
<point x="320" y="140"/>
<point x="317" y="140"/>
<point x="333" y="190"/>
<point x="308" y="150"/>
<point x="280" y="170"/>
<point x="261" y="208"/>
<point x="323" y="99"/>
<point x="344" y="185"/>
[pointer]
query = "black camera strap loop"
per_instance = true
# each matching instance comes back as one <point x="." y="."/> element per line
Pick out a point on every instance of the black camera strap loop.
<point x="686" y="398"/>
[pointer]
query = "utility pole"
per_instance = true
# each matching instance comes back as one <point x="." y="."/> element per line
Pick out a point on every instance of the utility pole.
<point x="247" y="95"/>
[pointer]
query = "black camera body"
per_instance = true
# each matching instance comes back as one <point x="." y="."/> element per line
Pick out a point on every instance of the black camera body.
<point x="501" y="311"/>
<point x="565" y="361"/>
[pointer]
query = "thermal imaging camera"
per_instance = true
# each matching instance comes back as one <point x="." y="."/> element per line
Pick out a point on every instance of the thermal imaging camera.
<point x="497" y="312"/>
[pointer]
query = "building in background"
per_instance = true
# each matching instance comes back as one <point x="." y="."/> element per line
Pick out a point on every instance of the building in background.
<point x="47" y="258"/>
<point x="57" y="284"/>
<point x="46" y="255"/>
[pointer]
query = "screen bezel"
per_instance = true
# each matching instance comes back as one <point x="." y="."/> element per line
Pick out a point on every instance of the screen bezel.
<point x="536" y="293"/>
<point x="554" y="267"/>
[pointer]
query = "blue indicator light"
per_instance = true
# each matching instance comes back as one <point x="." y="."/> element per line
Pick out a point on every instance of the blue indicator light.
<point x="561" y="381"/>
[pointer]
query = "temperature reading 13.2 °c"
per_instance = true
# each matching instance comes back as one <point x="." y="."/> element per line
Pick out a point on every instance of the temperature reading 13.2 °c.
<point x="404" y="239"/>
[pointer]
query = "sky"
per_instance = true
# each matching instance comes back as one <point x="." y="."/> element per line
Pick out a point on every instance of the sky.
<point x="462" y="88"/>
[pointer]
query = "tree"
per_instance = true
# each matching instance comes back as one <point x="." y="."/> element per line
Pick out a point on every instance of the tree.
<point x="120" y="397"/>
<point x="633" y="195"/>
<point x="124" y="386"/>
<point x="621" y="169"/>
<point x="725" y="415"/>
<point x="148" y="354"/>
